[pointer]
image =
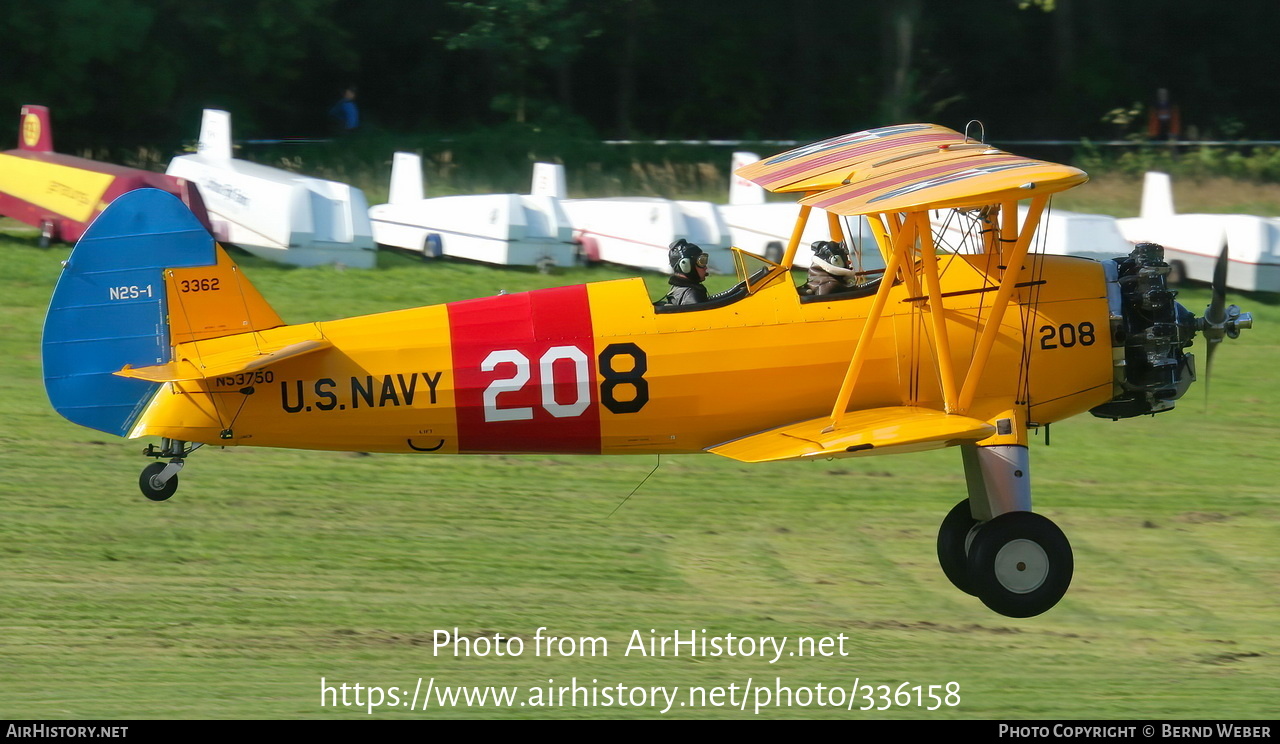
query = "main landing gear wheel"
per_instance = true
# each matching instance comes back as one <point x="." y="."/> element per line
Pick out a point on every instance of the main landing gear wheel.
<point x="953" y="539"/>
<point x="150" y="483"/>
<point x="1020" y="564"/>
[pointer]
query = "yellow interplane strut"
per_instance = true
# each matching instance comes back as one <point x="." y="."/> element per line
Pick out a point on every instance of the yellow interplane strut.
<point x="789" y="258"/>
<point x="1008" y="227"/>
<point x="833" y="227"/>
<point x="904" y="240"/>
<point x="937" y="312"/>
<point x="1012" y="261"/>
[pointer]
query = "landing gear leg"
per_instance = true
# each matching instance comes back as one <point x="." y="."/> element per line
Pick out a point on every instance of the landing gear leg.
<point x="159" y="480"/>
<point x="992" y="546"/>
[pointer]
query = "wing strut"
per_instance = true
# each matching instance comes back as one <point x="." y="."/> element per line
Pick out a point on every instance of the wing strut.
<point x="937" y="311"/>
<point x="833" y="227"/>
<point x="915" y="227"/>
<point x="904" y="239"/>
<point x="789" y="258"/>
<point x="1012" y="261"/>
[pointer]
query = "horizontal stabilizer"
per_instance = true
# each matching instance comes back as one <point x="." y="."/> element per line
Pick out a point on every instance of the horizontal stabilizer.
<point x="224" y="363"/>
<point x="877" y="431"/>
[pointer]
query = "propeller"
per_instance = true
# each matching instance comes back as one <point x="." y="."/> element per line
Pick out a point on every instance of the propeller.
<point x="1220" y="320"/>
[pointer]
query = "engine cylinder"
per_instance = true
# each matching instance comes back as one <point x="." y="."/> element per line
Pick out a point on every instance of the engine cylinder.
<point x="1153" y="330"/>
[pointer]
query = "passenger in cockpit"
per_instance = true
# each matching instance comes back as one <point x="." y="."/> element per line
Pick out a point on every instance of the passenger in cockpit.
<point x="830" y="271"/>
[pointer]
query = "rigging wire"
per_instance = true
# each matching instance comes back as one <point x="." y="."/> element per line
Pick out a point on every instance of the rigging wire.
<point x="637" y="488"/>
<point x="1031" y="309"/>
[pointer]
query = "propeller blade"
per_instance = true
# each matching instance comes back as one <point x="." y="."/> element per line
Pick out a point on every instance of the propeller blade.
<point x="1217" y="310"/>
<point x="1208" y="368"/>
<point x="1216" y="316"/>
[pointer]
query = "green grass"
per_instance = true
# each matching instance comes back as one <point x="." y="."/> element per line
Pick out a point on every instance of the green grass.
<point x="273" y="568"/>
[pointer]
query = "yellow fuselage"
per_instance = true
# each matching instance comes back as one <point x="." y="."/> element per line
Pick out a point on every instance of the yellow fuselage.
<point x="556" y="370"/>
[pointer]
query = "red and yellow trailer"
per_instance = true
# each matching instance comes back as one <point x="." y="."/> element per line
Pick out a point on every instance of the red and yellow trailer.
<point x="61" y="194"/>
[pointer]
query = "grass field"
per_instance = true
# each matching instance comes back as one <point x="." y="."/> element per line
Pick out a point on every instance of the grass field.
<point x="271" y="569"/>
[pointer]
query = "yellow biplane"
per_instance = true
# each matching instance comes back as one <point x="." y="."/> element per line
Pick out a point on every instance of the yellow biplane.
<point x="154" y="331"/>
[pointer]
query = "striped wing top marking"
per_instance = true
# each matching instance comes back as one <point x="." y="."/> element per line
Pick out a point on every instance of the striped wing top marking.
<point x="957" y="182"/>
<point x="826" y="164"/>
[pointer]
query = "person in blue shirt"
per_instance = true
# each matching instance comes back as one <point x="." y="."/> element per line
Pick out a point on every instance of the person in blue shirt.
<point x="344" y="113"/>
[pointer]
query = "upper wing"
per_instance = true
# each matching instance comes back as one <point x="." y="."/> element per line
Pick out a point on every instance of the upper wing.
<point x="876" y="431"/>
<point x="907" y="167"/>
<point x="830" y="163"/>
<point x="942" y="179"/>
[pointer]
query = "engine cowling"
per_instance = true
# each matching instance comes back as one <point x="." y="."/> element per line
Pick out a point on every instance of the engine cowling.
<point x="1150" y="332"/>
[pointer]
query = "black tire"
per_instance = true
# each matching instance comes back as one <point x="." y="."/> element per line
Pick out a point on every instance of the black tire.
<point x="1020" y="564"/>
<point x="150" y="490"/>
<point x="774" y="251"/>
<point x="432" y="247"/>
<point x="545" y="265"/>
<point x="952" y="555"/>
<point x="1177" y="273"/>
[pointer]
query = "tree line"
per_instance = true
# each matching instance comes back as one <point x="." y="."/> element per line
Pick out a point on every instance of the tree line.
<point x="131" y="72"/>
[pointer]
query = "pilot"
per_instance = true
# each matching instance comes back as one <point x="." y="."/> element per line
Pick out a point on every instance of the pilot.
<point x="830" y="271"/>
<point x="689" y="269"/>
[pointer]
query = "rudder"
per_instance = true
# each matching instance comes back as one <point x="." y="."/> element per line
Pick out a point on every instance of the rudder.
<point x="215" y="135"/>
<point x="34" y="131"/>
<point x="115" y="300"/>
<point x="1157" y="196"/>
<point x="742" y="191"/>
<point x="406" y="178"/>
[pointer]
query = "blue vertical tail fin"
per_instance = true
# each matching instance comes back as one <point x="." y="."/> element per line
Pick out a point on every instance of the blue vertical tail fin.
<point x="109" y="308"/>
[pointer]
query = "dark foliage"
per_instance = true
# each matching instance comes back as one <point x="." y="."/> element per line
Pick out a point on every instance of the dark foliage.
<point x="129" y="72"/>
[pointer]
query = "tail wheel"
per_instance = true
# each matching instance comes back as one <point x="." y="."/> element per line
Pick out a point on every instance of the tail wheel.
<point x="1177" y="273"/>
<point x="1020" y="564"/>
<point x="774" y="251"/>
<point x="46" y="233"/>
<point x="151" y="486"/>
<point x="953" y="539"/>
